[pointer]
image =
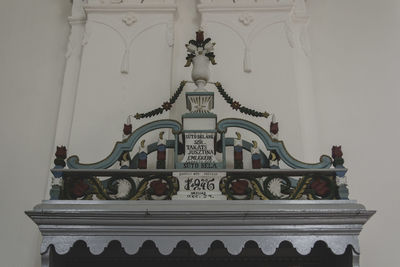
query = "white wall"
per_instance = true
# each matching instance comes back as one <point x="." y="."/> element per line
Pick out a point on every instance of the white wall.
<point x="32" y="46"/>
<point x="355" y="60"/>
<point x="356" y="66"/>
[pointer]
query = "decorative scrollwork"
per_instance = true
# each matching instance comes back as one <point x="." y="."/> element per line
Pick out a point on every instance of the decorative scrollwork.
<point x="237" y="188"/>
<point x="312" y="187"/>
<point x="120" y="188"/>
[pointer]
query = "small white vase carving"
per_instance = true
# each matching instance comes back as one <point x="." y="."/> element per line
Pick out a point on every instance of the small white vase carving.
<point x="200" y="54"/>
<point x="201" y="72"/>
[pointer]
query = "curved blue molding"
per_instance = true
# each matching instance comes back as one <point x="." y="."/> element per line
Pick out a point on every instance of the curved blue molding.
<point x="126" y="145"/>
<point x="272" y="144"/>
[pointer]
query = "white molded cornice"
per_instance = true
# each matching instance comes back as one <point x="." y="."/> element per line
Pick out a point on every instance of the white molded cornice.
<point x="139" y="2"/>
<point x="244" y="5"/>
<point x="296" y="7"/>
<point x="130" y="5"/>
<point x="124" y="8"/>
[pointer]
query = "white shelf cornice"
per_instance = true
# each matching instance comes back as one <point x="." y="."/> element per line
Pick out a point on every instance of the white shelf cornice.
<point x="240" y="6"/>
<point x="160" y="6"/>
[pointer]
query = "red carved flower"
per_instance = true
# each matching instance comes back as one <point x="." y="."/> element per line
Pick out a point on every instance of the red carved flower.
<point x="274" y="128"/>
<point x="159" y="188"/>
<point x="127" y="129"/>
<point x="337" y="152"/>
<point x="320" y="187"/>
<point x="79" y="188"/>
<point x="240" y="187"/>
<point x="61" y="152"/>
<point x="166" y="105"/>
<point x="235" y="105"/>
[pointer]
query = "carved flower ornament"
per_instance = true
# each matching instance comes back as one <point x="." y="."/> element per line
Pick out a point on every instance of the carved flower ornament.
<point x="320" y="187"/>
<point x="274" y="127"/>
<point x="127" y="129"/>
<point x="79" y="188"/>
<point x="337" y="155"/>
<point x="337" y="152"/>
<point x="129" y="19"/>
<point x="158" y="188"/>
<point x="167" y="105"/>
<point x="61" y="152"/>
<point x="198" y="47"/>
<point x="240" y="187"/>
<point x="235" y="105"/>
<point x="246" y="19"/>
<point x="61" y="155"/>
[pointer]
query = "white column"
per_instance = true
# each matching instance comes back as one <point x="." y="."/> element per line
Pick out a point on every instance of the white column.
<point x="303" y="76"/>
<point x="71" y="76"/>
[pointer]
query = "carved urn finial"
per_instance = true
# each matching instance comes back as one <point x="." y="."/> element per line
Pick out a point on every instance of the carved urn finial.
<point x="200" y="55"/>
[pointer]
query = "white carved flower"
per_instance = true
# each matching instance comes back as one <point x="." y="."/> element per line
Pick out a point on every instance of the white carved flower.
<point x="129" y="19"/>
<point x="275" y="187"/>
<point x="124" y="188"/>
<point x="246" y="19"/>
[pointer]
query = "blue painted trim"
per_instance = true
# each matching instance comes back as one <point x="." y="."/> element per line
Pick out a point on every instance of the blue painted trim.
<point x="272" y="144"/>
<point x="126" y="145"/>
<point x="340" y="173"/>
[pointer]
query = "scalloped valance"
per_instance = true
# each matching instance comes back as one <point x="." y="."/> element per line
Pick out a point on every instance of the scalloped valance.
<point x="200" y="223"/>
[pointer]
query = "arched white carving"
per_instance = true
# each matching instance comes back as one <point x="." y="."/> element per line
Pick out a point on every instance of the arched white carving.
<point x="247" y="37"/>
<point x="128" y="40"/>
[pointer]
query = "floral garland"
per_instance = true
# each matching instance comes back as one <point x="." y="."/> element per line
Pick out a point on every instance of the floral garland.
<point x="235" y="105"/>
<point x="165" y="106"/>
